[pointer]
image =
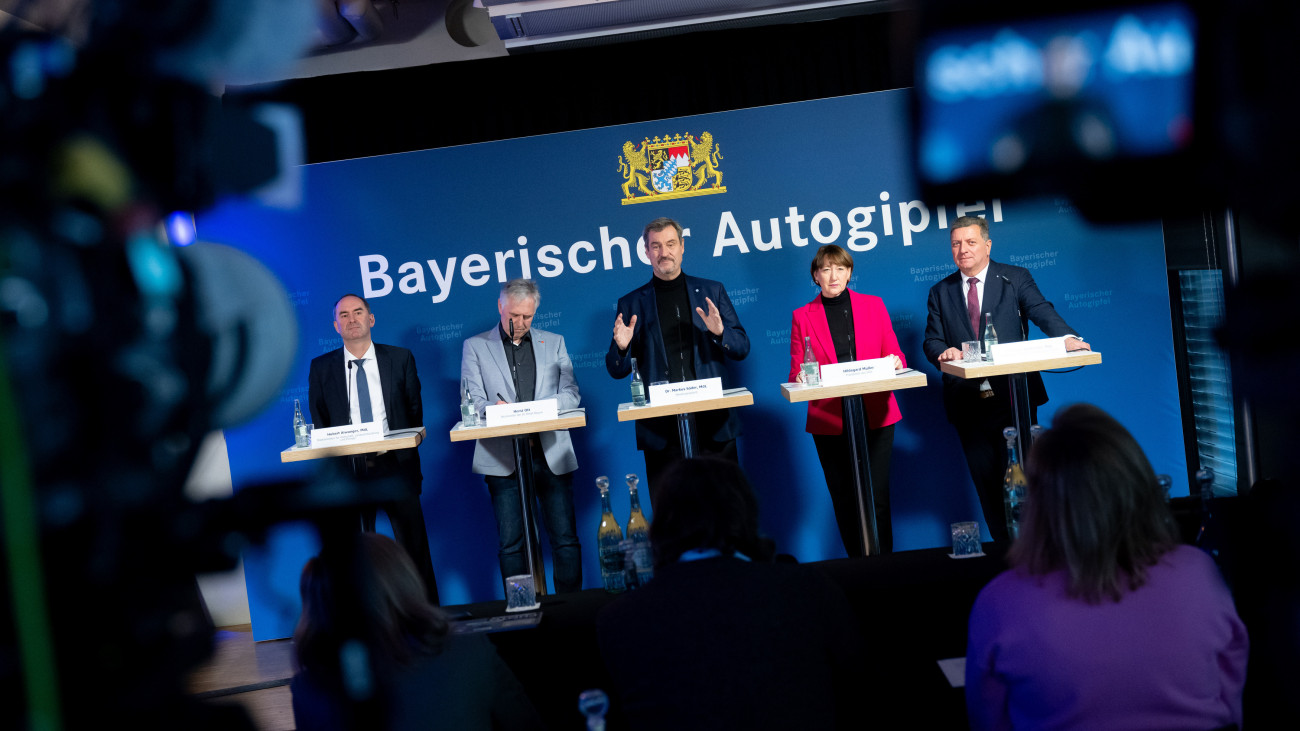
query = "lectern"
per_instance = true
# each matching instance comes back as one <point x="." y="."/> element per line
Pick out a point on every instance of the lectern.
<point x="522" y="433"/>
<point x="400" y="439"/>
<point x="685" y="413"/>
<point x="855" y="425"/>
<point x="1015" y="372"/>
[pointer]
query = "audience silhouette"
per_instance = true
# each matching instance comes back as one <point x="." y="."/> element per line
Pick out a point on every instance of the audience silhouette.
<point x="723" y="637"/>
<point x="1104" y="619"/>
<point x="373" y="653"/>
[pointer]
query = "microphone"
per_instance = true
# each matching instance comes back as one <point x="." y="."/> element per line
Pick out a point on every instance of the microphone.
<point x="514" y="357"/>
<point x="853" y="350"/>
<point x="1020" y="318"/>
<point x="349" y="390"/>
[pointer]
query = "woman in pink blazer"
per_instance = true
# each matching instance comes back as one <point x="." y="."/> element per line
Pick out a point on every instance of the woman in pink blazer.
<point x="843" y="326"/>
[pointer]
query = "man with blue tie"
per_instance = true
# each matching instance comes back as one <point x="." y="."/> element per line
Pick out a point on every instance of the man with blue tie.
<point x="362" y="382"/>
<point x="515" y="362"/>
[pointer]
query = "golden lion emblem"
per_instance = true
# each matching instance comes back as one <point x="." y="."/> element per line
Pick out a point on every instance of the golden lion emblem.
<point x="634" y="168"/>
<point x="674" y="166"/>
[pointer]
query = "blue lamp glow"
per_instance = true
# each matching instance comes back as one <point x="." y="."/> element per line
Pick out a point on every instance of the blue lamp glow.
<point x="180" y="228"/>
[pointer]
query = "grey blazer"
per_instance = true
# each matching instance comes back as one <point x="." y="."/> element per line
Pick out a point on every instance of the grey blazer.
<point x="483" y="365"/>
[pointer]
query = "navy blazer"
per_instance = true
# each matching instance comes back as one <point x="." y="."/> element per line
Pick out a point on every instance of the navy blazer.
<point x="711" y="352"/>
<point x="1012" y="297"/>
<point x="327" y="396"/>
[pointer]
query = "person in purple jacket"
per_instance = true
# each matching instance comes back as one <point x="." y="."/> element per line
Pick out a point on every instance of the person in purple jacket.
<point x="1104" y="620"/>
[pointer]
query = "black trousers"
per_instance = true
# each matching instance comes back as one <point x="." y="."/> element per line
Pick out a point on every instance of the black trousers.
<point x="980" y="430"/>
<point x="657" y="460"/>
<point x="553" y="501"/>
<point x="835" y="454"/>
<point x="405" y="514"/>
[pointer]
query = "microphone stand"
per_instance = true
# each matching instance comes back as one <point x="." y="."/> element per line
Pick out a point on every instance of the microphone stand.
<point x="514" y="359"/>
<point x="687" y="431"/>
<point x="359" y="468"/>
<point x="855" y="428"/>
<point x="524" y="467"/>
<point x="1020" y="318"/>
<point x="685" y="331"/>
<point x="853" y="347"/>
<point x="1019" y="383"/>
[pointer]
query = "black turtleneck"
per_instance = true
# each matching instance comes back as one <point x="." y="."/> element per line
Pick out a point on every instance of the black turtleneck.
<point x="523" y="364"/>
<point x="839" y="315"/>
<point x="674" y="306"/>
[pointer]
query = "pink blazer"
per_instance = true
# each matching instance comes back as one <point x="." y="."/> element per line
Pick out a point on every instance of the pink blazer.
<point x="874" y="338"/>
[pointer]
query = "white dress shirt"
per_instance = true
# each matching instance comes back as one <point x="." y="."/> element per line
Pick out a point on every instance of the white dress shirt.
<point x="372" y="380"/>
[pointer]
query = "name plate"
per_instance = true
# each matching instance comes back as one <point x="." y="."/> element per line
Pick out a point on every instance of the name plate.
<point x="1027" y="350"/>
<point x="522" y="412"/>
<point x="686" y="391"/>
<point x="371" y="431"/>
<point x="857" y="371"/>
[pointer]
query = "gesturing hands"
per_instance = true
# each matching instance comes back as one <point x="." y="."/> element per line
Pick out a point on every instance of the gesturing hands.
<point x="712" y="319"/>
<point x="623" y="333"/>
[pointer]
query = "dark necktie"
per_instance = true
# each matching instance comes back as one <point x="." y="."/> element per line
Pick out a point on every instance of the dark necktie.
<point x="363" y="392"/>
<point x="973" y="305"/>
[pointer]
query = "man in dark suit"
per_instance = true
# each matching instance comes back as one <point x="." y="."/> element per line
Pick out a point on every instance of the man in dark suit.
<point x="980" y="410"/>
<point x="364" y="381"/>
<point x="679" y="328"/>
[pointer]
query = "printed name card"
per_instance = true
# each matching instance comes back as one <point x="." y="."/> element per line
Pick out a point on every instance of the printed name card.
<point x="522" y="412"/>
<point x="664" y="394"/>
<point x="857" y="371"/>
<point x="1027" y="350"/>
<point x="371" y="431"/>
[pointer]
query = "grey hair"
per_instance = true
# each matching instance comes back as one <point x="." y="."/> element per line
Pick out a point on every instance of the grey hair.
<point x="517" y="289"/>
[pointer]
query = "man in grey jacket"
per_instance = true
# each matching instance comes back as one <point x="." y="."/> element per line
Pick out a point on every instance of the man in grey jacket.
<point x="513" y="362"/>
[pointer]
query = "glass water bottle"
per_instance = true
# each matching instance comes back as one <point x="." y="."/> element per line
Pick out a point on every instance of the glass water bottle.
<point x="990" y="336"/>
<point x="638" y="386"/>
<point x="638" y="530"/>
<point x="608" y="537"/>
<point x="1013" y="486"/>
<point x="468" y="412"/>
<point x="300" y="438"/>
<point x="811" y="373"/>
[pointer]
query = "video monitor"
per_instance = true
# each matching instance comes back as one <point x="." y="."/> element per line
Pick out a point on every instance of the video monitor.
<point x="1023" y="103"/>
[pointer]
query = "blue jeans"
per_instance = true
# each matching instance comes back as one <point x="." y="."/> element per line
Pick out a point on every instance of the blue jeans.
<point x="555" y="496"/>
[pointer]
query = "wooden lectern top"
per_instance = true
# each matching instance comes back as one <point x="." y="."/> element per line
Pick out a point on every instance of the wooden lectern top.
<point x="985" y="369"/>
<point x="730" y="398"/>
<point x="799" y="392"/>
<point x="568" y="419"/>
<point x="400" y="439"/>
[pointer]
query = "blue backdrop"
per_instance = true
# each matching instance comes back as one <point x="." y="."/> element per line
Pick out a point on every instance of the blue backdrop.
<point x="429" y="236"/>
